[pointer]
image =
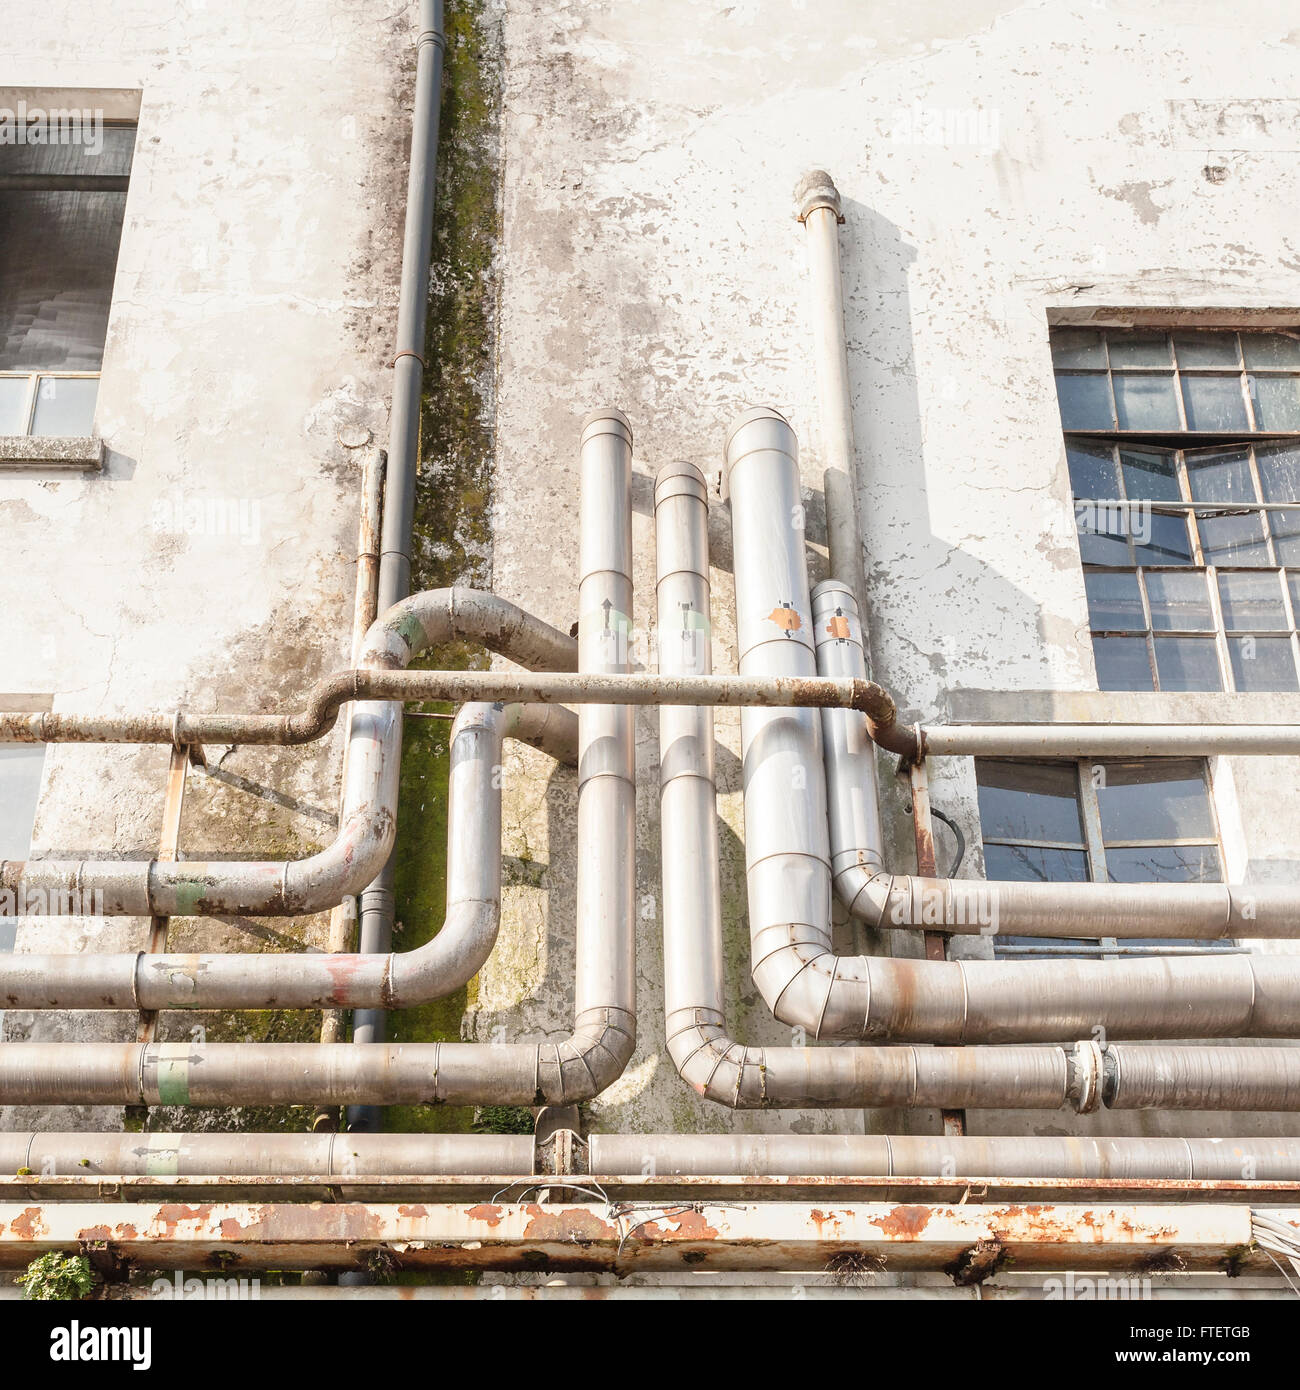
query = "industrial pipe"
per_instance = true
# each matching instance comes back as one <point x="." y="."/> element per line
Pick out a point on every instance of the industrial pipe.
<point x="96" y="1154"/>
<point x="286" y="888"/>
<point x="792" y="856"/>
<point x="560" y="1073"/>
<point x="777" y="786"/>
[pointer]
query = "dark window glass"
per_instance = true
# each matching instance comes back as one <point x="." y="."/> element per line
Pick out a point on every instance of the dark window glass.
<point x="1123" y="663"/>
<point x="1114" y="600"/>
<point x="1262" y="663"/>
<point x="1029" y="801"/>
<point x="1154" y="800"/>
<point x="1187" y="663"/>
<point x="1084" y="401"/>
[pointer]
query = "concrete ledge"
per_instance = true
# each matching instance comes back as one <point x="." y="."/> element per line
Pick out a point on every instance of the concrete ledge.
<point x="1121" y="707"/>
<point x="50" y="451"/>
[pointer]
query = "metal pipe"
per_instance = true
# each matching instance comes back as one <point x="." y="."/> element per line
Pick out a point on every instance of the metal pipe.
<point x="818" y="208"/>
<point x="377" y="904"/>
<point x="781" y="805"/>
<point x="1110" y="740"/>
<point x="48" y="1154"/>
<point x="561" y="1073"/>
<point x="792" y="860"/>
<point x="328" y="695"/>
<point x="957" y="1157"/>
<point x="286" y="888"/>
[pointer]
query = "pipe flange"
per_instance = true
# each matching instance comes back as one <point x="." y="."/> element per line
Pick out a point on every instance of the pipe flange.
<point x="1086" y="1062"/>
<point x="817" y="190"/>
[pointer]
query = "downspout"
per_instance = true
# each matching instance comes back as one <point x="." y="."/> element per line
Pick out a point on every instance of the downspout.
<point x="376" y="906"/>
<point x="790" y="854"/>
<point x="551" y="1073"/>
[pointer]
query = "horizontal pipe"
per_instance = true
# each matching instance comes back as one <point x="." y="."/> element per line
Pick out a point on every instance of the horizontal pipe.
<point x="946" y="1156"/>
<point x="328" y="695"/>
<point x="1110" y="740"/>
<point x="94" y="1154"/>
<point x="141" y="888"/>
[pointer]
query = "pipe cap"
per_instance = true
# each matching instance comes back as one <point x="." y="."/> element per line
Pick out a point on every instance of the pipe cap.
<point x="817" y="190"/>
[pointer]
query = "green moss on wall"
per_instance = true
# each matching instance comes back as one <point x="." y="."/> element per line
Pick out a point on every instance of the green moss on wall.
<point x="451" y="541"/>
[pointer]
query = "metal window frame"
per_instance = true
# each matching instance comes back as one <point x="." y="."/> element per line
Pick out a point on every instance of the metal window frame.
<point x="1094" y="847"/>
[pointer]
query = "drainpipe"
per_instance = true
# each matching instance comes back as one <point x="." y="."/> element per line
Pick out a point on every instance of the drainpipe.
<point x="790" y="854"/>
<point x="534" y="1074"/>
<point x="818" y="208"/>
<point x="377" y="905"/>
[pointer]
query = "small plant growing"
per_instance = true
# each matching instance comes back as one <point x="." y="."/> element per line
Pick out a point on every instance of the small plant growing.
<point x="57" y="1277"/>
<point x="503" y="1119"/>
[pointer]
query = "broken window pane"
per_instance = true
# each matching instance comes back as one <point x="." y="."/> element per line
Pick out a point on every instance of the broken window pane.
<point x="1262" y="663"/>
<point x="1188" y="663"/>
<point x="1146" y="402"/>
<point x="1180" y="600"/>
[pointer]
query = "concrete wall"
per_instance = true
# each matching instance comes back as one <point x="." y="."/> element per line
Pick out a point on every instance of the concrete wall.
<point x="252" y="324"/>
<point x="1000" y="163"/>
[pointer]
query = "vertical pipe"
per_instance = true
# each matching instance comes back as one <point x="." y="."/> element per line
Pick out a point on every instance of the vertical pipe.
<point x="606" y="837"/>
<point x="787" y="851"/>
<point x="692" y="894"/>
<point x="377" y="906"/>
<point x="818" y="203"/>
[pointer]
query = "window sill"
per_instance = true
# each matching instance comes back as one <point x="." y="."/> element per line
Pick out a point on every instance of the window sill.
<point x="1122" y="707"/>
<point x="51" y="451"/>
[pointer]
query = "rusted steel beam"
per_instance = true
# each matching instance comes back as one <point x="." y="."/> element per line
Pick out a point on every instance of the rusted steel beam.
<point x="472" y="1188"/>
<point x="971" y="1242"/>
<point x="168" y="850"/>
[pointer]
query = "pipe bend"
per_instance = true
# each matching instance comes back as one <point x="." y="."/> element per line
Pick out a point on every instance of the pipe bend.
<point x="450" y="961"/>
<point x="589" y="1061"/>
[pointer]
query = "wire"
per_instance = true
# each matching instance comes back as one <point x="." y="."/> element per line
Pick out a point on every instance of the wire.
<point x="957" y="835"/>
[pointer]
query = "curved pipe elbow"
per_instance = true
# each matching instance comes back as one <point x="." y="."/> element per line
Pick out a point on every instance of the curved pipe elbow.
<point x="448" y="962"/>
<point x="713" y="1064"/>
<point x="589" y="1061"/>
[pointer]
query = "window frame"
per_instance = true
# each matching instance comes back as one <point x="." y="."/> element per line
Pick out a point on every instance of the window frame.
<point x="1094" y="845"/>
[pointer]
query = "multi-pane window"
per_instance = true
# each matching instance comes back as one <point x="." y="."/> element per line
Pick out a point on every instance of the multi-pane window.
<point x="20" y="785"/>
<point x="1128" y="821"/>
<point x="1184" y="457"/>
<point x="62" y="203"/>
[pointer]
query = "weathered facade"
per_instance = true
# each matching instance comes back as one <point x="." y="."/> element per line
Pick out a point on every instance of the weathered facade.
<point x="615" y="227"/>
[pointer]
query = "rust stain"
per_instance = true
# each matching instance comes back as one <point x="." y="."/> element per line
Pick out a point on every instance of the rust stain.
<point x="27" y="1225"/>
<point x="838" y="627"/>
<point x="230" y="1228"/>
<point x="573" y="1224"/>
<point x="681" y="1225"/>
<point x="485" y="1211"/>
<point x="94" y="1233"/>
<point x="904" y="1223"/>
<point x="418" y="1211"/>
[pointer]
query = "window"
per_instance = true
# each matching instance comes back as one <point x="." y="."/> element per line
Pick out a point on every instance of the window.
<point x="20" y="785"/>
<point x="1133" y="821"/>
<point x="62" y="201"/>
<point x="1184" y="458"/>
